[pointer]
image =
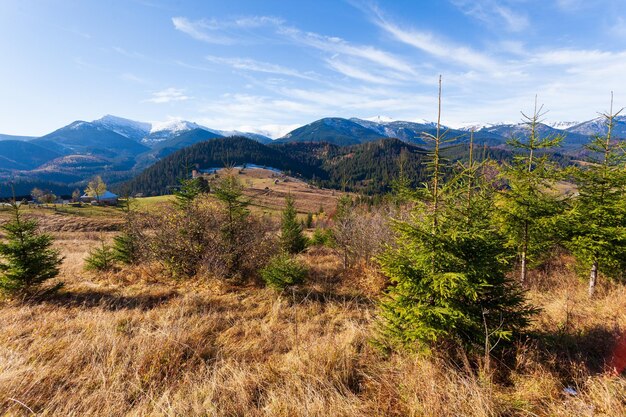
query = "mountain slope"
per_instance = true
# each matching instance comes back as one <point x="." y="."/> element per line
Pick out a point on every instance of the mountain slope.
<point x="335" y="130"/>
<point x="165" y="174"/>
<point x="522" y="130"/>
<point x="128" y="128"/>
<point x="85" y="138"/>
<point x="15" y="137"/>
<point x="368" y="167"/>
<point x="598" y="126"/>
<point x="22" y="155"/>
<point x="416" y="132"/>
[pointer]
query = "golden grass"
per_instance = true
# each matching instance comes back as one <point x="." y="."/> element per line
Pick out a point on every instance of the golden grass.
<point x="133" y="343"/>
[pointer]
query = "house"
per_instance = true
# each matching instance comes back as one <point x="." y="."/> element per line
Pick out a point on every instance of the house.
<point x="107" y="198"/>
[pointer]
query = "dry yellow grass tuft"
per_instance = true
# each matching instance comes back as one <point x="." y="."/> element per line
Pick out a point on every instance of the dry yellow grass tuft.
<point x="135" y="343"/>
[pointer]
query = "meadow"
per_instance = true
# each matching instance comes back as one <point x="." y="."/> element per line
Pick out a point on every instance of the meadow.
<point x="137" y="342"/>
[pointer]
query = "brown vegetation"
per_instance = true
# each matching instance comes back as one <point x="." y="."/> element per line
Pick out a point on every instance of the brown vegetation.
<point x="136" y="343"/>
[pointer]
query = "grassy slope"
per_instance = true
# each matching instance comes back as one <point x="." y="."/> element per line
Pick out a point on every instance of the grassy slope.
<point x="133" y="343"/>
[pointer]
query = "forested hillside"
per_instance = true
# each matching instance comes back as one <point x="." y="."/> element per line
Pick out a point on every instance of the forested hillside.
<point x="369" y="168"/>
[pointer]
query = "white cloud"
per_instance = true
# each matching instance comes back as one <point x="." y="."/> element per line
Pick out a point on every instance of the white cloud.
<point x="212" y="30"/>
<point x="197" y="30"/>
<point x="360" y="74"/>
<point x="434" y="46"/>
<point x="493" y="13"/>
<point x="259" y="66"/>
<point x="337" y="45"/>
<point x="478" y="85"/>
<point x="168" y="95"/>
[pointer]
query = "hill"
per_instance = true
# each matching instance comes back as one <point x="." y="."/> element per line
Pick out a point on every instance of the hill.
<point x="220" y="152"/>
<point x="369" y="167"/>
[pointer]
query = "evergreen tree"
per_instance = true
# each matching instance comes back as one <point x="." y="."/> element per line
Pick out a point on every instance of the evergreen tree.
<point x="100" y="259"/>
<point x="26" y="257"/>
<point x="448" y="269"/>
<point x="598" y="215"/>
<point x="229" y="191"/>
<point x="189" y="190"/>
<point x="528" y="205"/>
<point x="291" y="237"/>
<point x="125" y="248"/>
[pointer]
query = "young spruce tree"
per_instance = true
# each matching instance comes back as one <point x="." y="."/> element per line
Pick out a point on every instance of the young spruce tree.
<point x="229" y="191"/>
<point x="448" y="268"/>
<point x="529" y="204"/>
<point x="26" y="257"/>
<point x="291" y="237"/>
<point x="598" y="215"/>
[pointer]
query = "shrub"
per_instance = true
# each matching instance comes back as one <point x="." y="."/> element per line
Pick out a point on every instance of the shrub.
<point x="206" y="237"/>
<point x="322" y="237"/>
<point x="283" y="271"/>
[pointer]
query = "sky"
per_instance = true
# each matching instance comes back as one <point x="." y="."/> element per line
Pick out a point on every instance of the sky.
<point x="270" y="66"/>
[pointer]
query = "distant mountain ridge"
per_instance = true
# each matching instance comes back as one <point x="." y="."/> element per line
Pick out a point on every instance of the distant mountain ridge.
<point x="118" y="148"/>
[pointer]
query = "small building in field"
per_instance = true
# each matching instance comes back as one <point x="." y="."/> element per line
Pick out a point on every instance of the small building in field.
<point x="107" y="198"/>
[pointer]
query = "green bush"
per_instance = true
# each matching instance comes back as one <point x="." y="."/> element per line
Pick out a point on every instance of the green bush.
<point x="284" y="271"/>
<point x="323" y="237"/>
<point x="100" y="259"/>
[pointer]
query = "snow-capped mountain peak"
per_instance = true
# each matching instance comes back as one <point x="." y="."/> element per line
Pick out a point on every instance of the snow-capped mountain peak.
<point x="174" y="126"/>
<point x="128" y="128"/>
<point x="380" y="119"/>
<point x="562" y="125"/>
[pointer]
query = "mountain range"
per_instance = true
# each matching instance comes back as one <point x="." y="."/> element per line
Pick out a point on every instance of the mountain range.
<point x="119" y="148"/>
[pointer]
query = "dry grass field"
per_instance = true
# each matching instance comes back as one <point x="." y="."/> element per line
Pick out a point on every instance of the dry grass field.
<point x="267" y="191"/>
<point x="136" y="343"/>
<point x="133" y="343"/>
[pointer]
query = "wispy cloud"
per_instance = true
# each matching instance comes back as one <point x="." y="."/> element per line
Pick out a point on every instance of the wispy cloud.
<point x="433" y="45"/>
<point x="358" y="73"/>
<point x="239" y="31"/>
<point x="213" y="30"/>
<point x="128" y="54"/>
<point x="247" y="64"/>
<point x="197" y="30"/>
<point x="336" y="45"/>
<point x="168" y="95"/>
<point x="357" y="79"/>
<point x="128" y="76"/>
<point x="496" y="12"/>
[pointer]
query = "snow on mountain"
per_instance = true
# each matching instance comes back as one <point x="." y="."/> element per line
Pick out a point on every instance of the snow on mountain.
<point x="125" y="127"/>
<point x="592" y="127"/>
<point x="175" y="126"/>
<point x="161" y="131"/>
<point x="562" y="125"/>
<point x="380" y="119"/>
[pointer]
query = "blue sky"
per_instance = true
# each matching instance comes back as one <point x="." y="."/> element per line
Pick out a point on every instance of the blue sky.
<point x="271" y="65"/>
